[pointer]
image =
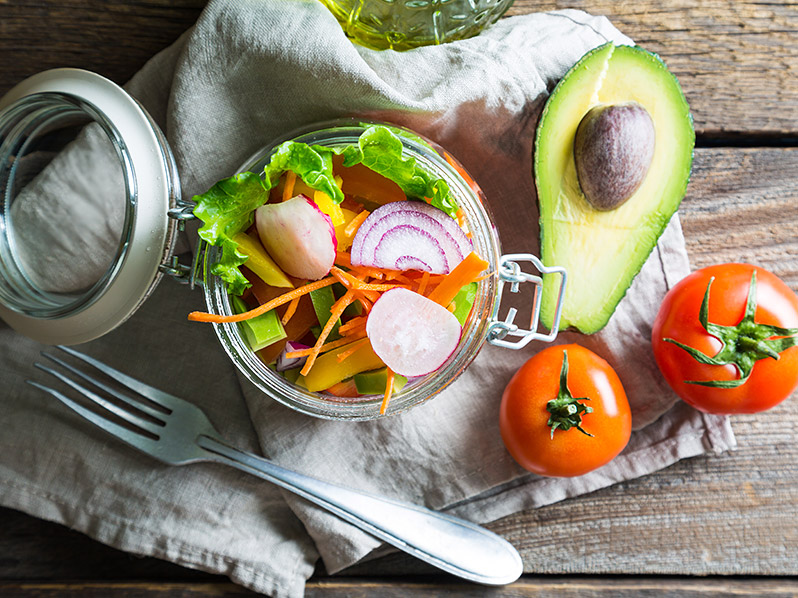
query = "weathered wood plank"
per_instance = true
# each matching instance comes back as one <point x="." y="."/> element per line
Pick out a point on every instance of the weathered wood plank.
<point x="737" y="60"/>
<point x="114" y="39"/>
<point x="589" y="587"/>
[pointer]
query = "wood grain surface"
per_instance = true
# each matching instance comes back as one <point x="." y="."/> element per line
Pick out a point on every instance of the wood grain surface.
<point x="730" y="515"/>
<point x="548" y="587"/>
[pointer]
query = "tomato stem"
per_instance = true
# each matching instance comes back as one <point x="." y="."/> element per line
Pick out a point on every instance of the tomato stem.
<point x="566" y="411"/>
<point x="741" y="345"/>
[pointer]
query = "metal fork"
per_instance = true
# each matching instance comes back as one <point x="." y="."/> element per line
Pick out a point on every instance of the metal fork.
<point x="177" y="432"/>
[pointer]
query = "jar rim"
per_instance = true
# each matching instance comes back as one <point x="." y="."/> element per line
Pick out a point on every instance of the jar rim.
<point x="336" y="133"/>
<point x="151" y="190"/>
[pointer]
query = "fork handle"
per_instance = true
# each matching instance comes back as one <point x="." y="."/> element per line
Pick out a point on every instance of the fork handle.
<point x="451" y="544"/>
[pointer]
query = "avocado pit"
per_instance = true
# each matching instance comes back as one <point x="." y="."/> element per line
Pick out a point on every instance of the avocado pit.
<point x="613" y="149"/>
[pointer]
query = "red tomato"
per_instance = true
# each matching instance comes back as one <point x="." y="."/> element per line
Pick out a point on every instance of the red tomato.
<point x="525" y="415"/>
<point x="771" y="380"/>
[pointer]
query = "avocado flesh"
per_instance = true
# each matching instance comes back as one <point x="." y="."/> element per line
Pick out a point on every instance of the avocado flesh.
<point x="602" y="251"/>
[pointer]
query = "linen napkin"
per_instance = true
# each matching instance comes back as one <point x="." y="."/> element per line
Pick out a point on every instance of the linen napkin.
<point x="251" y="71"/>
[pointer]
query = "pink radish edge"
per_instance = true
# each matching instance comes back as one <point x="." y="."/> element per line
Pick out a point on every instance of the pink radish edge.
<point x="298" y="236"/>
<point x="410" y="333"/>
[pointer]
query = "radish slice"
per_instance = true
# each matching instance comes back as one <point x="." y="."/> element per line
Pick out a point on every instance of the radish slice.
<point x="378" y="231"/>
<point x="298" y="236"/>
<point x="411" y="334"/>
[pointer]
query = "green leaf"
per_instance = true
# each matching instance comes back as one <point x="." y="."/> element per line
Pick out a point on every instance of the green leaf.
<point x="226" y="209"/>
<point x="312" y="163"/>
<point x="380" y="149"/>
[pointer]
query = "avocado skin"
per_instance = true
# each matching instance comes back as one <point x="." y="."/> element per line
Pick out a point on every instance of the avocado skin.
<point x="604" y="251"/>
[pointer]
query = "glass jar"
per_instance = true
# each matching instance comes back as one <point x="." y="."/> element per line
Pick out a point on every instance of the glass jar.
<point x="482" y="324"/>
<point x="406" y="24"/>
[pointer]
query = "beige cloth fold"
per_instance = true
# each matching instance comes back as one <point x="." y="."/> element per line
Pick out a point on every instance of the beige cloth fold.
<point x="251" y="71"/>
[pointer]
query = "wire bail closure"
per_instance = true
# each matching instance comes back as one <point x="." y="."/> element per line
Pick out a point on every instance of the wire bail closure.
<point x="182" y="273"/>
<point x="510" y="272"/>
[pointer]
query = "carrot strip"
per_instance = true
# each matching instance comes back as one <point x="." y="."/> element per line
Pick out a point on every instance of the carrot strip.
<point x="397" y="276"/>
<point x="466" y="271"/>
<point x="290" y="181"/>
<point x="355" y="223"/>
<point x="355" y="322"/>
<point x="343" y="259"/>
<point x="354" y="331"/>
<point x="335" y="312"/>
<point x="351" y="349"/>
<point x="325" y="348"/>
<point x="388" y="390"/>
<point x="422" y="286"/>
<point x="199" y="316"/>
<point x="351" y="282"/>
<point x="368" y="272"/>
<point x="290" y="310"/>
<point x="363" y="300"/>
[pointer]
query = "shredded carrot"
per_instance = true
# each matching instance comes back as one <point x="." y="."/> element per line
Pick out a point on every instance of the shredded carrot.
<point x="290" y="181"/>
<point x="355" y="322"/>
<point x="397" y="276"/>
<point x="351" y="349"/>
<point x="199" y="316"/>
<point x="290" y="310"/>
<point x="335" y="312"/>
<point x="466" y="271"/>
<point x="422" y="286"/>
<point x="343" y="259"/>
<point x="354" y="331"/>
<point x="483" y="277"/>
<point x="451" y="307"/>
<point x="368" y="272"/>
<point x="355" y="223"/>
<point x="351" y="282"/>
<point x="388" y="390"/>
<point x="325" y="348"/>
<point x="364" y="301"/>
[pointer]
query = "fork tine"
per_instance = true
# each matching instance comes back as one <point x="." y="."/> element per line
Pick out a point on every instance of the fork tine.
<point x="159" y="415"/>
<point x="124" y="414"/>
<point x="155" y="395"/>
<point x="134" y="439"/>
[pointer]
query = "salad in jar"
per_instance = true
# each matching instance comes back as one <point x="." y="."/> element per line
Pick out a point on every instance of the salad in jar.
<point x="349" y="269"/>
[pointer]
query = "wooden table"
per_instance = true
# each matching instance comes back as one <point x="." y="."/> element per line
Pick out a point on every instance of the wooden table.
<point x="708" y="526"/>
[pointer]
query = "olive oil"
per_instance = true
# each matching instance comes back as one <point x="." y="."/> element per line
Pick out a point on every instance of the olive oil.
<point x="406" y="24"/>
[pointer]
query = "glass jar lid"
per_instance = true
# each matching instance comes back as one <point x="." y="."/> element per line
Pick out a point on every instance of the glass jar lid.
<point x="87" y="184"/>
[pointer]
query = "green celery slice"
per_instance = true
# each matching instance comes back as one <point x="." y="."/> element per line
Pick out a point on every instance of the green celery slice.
<point x="373" y="382"/>
<point x="464" y="301"/>
<point x="262" y="330"/>
<point x="323" y="300"/>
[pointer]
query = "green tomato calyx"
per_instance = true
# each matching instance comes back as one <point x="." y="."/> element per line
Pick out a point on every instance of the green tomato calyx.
<point x="741" y="345"/>
<point x="566" y="411"/>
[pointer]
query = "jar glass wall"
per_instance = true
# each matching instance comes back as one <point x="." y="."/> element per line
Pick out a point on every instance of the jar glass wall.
<point x="486" y="244"/>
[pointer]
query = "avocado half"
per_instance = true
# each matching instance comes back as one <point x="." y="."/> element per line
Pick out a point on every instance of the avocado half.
<point x="603" y="250"/>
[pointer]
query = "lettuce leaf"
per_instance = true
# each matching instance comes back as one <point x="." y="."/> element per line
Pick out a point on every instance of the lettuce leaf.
<point x="226" y="209"/>
<point x="312" y="163"/>
<point x="380" y="149"/>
